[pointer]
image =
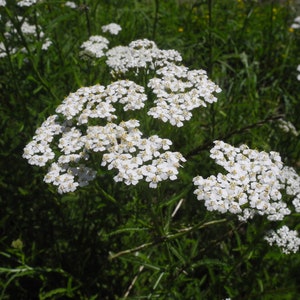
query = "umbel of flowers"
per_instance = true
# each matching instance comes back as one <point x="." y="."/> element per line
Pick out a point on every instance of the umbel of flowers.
<point x="252" y="186"/>
<point x="89" y="121"/>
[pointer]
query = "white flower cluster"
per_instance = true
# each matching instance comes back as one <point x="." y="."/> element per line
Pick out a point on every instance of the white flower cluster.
<point x="94" y="47"/>
<point x="296" y="24"/>
<point x="287" y="126"/>
<point x="71" y="141"/>
<point x="38" y="151"/>
<point x="112" y="28"/>
<point x="3" y="52"/>
<point x="285" y="239"/>
<point x="178" y="91"/>
<point x="291" y="184"/>
<point x="138" y="55"/>
<point x="31" y="33"/>
<point x="26" y="3"/>
<point x="96" y="102"/>
<point x="135" y="158"/>
<point x="251" y="186"/>
<point x="85" y="120"/>
<point x="68" y="172"/>
<point x="46" y="44"/>
<point x="28" y="29"/>
<point x="71" y="4"/>
<point x="2" y="3"/>
<point x="298" y="69"/>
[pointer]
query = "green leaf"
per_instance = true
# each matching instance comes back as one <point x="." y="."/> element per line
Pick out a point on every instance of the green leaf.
<point x="50" y="294"/>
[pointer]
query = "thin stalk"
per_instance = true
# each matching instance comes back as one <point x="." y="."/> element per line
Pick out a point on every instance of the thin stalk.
<point x="141" y="268"/>
<point x="210" y="45"/>
<point x="30" y="55"/>
<point x="57" y="43"/>
<point x="210" y="65"/>
<point x="166" y="238"/>
<point x="230" y="134"/>
<point x="86" y="12"/>
<point x="12" y="69"/>
<point x="270" y="39"/>
<point x="155" y="22"/>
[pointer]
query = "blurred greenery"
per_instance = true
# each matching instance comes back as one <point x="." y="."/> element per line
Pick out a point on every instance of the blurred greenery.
<point x="109" y="241"/>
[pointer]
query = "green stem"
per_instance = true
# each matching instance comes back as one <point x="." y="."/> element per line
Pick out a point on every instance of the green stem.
<point x="88" y="23"/>
<point x="155" y="19"/>
<point x="30" y="55"/>
<point x="166" y="238"/>
<point x="237" y="131"/>
<point x="209" y="69"/>
<point x="12" y="69"/>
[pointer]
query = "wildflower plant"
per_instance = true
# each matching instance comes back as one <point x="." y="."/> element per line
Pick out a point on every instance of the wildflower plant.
<point x="88" y="122"/>
<point x="158" y="178"/>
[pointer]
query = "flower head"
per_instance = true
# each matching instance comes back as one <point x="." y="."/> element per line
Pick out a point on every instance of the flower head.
<point x="2" y="50"/>
<point x="112" y="28"/>
<point x="296" y="24"/>
<point x="252" y="185"/>
<point x="139" y="54"/>
<point x="94" y="47"/>
<point x="71" y="4"/>
<point x="285" y="239"/>
<point x="27" y="3"/>
<point x="287" y="126"/>
<point x="85" y="124"/>
<point x="179" y="91"/>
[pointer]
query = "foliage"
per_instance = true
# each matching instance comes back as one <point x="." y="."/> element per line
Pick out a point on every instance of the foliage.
<point x="112" y="241"/>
